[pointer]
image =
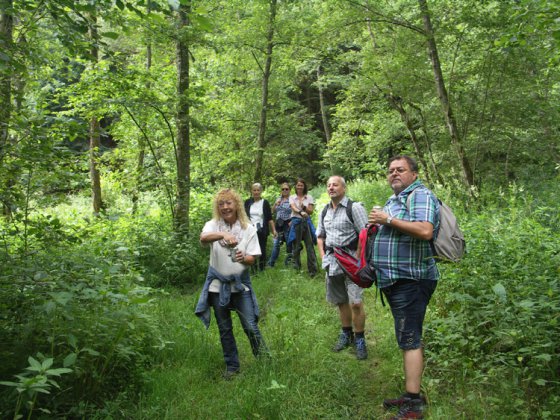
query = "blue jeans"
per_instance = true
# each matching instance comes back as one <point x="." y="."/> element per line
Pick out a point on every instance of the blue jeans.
<point x="281" y="238"/>
<point x="241" y="303"/>
<point x="408" y="300"/>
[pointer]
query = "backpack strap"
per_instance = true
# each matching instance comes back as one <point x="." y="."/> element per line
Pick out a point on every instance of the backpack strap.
<point x="408" y="198"/>
<point x="324" y="213"/>
<point x="348" y="214"/>
<point x="349" y="211"/>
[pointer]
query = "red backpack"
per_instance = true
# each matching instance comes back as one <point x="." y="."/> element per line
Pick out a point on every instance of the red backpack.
<point x="358" y="269"/>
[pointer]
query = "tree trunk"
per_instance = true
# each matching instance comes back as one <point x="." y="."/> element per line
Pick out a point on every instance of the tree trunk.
<point x="261" y="143"/>
<point x="443" y="97"/>
<point x="94" y="134"/>
<point x="324" y="115"/>
<point x="181" y="222"/>
<point x="95" y="178"/>
<point x="6" y="40"/>
<point x="396" y="103"/>
<point x="426" y="137"/>
<point x="141" y="141"/>
<point x="6" y="35"/>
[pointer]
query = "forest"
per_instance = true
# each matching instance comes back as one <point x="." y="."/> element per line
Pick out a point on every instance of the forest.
<point x="120" y="120"/>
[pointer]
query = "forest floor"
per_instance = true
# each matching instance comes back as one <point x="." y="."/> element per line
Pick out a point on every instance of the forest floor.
<point x="303" y="379"/>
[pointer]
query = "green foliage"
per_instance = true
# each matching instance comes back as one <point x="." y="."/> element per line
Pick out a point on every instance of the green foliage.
<point x="499" y="61"/>
<point x="367" y="54"/>
<point x="491" y="333"/>
<point x="73" y="296"/>
<point x="78" y="300"/>
<point x="497" y="322"/>
<point x="37" y="378"/>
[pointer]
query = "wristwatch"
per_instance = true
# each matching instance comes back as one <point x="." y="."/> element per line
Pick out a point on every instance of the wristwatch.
<point x="389" y="220"/>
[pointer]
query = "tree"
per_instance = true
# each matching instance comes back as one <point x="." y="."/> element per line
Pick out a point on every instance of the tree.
<point x="261" y="138"/>
<point x="182" y="120"/>
<point x="468" y="176"/>
<point x="6" y="40"/>
<point x="94" y="128"/>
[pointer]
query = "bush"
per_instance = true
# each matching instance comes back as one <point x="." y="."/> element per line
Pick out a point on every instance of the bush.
<point x="496" y="313"/>
<point x="70" y="303"/>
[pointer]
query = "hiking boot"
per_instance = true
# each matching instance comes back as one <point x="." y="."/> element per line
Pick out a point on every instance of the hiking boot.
<point x="344" y="340"/>
<point x="401" y="401"/>
<point x="361" y="349"/>
<point x="411" y="410"/>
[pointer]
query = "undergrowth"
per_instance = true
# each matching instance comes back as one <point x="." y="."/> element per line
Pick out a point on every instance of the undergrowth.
<point x="88" y="331"/>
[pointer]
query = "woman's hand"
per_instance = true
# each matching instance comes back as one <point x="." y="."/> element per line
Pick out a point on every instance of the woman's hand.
<point x="239" y="257"/>
<point x="228" y="239"/>
<point x="246" y="259"/>
<point x="224" y="238"/>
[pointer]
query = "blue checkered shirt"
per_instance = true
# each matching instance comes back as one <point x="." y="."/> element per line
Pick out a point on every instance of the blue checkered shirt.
<point x="399" y="256"/>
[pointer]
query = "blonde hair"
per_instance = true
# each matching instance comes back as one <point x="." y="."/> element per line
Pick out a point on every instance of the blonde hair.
<point x="230" y="194"/>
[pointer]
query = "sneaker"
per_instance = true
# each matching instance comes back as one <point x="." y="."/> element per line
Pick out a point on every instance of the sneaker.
<point x="344" y="340"/>
<point x="401" y="401"/>
<point x="361" y="349"/>
<point x="412" y="410"/>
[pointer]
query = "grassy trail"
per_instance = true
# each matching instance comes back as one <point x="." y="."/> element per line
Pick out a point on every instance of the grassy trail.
<point x="304" y="379"/>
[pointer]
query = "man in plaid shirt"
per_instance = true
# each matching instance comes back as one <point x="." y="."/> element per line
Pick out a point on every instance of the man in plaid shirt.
<point x="337" y="230"/>
<point x="406" y="270"/>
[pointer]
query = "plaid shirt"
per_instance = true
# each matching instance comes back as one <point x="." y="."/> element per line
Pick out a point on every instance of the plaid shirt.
<point x="399" y="256"/>
<point x="339" y="231"/>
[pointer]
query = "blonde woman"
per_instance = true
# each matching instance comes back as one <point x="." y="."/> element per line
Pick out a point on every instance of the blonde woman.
<point x="234" y="247"/>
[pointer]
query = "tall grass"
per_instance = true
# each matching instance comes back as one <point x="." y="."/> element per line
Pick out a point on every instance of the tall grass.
<point x="302" y="379"/>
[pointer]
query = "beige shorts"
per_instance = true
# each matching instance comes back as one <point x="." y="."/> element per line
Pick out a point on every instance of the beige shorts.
<point x="340" y="289"/>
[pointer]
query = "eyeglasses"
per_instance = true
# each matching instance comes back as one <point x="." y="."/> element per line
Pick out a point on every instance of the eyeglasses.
<point x="285" y="189"/>
<point x="397" y="170"/>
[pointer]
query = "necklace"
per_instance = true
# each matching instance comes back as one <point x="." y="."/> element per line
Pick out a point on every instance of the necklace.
<point x="234" y="229"/>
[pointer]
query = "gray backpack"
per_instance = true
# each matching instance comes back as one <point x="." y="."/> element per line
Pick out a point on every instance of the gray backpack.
<point x="450" y="242"/>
